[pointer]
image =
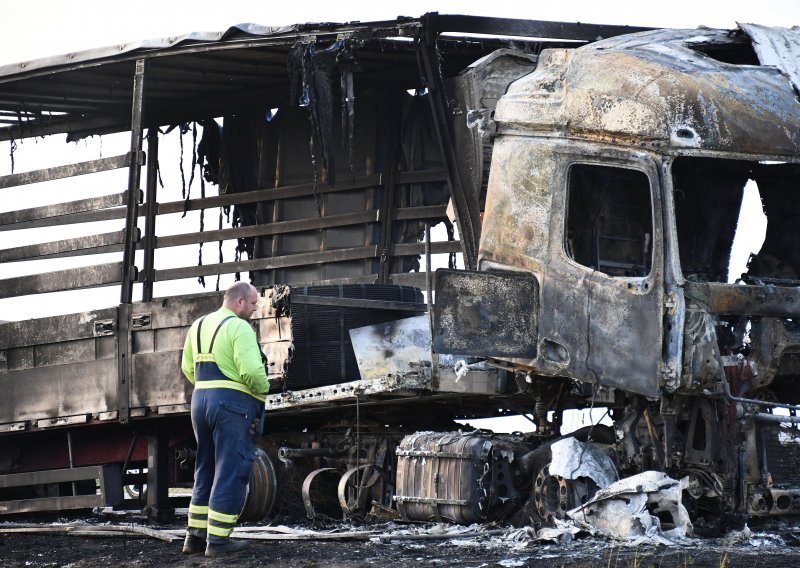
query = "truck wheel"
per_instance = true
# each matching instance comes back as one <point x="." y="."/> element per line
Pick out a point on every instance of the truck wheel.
<point x="262" y="490"/>
<point x="552" y="495"/>
<point x="137" y="492"/>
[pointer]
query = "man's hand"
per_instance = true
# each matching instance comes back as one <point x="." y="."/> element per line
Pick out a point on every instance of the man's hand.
<point x="256" y="429"/>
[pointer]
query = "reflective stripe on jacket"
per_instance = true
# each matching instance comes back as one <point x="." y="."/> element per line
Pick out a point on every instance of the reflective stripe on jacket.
<point x="221" y="351"/>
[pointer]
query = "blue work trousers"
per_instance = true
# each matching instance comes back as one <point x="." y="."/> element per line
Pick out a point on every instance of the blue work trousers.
<point x="221" y="420"/>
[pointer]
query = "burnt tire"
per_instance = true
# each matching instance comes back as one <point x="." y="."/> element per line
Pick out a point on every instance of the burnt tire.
<point x="552" y="495"/>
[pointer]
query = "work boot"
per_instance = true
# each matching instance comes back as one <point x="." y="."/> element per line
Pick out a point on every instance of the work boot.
<point x="227" y="547"/>
<point x="193" y="544"/>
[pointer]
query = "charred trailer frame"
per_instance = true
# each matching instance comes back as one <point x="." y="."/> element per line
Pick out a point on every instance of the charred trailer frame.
<point x="98" y="390"/>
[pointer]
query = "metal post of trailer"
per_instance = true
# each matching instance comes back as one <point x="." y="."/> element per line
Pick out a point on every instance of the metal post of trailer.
<point x="134" y="177"/>
<point x="150" y="214"/>
<point x="158" y="507"/>
<point x="387" y="212"/>
<point x="124" y="347"/>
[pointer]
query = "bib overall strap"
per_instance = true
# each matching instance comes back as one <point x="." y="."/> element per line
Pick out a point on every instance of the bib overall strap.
<point x="206" y="368"/>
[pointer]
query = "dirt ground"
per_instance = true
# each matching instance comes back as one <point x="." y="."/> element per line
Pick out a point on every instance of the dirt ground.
<point x="774" y="549"/>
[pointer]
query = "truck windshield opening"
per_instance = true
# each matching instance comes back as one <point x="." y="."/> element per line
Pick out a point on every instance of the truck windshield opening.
<point x="737" y="220"/>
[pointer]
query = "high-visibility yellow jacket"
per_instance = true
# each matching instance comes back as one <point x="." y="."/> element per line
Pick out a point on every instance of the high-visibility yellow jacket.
<point x="235" y="351"/>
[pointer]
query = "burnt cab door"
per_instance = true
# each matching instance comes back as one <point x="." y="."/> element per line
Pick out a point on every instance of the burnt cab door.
<point x="602" y="298"/>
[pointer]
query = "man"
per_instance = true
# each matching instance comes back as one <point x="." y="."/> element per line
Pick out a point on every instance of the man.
<point x="221" y="357"/>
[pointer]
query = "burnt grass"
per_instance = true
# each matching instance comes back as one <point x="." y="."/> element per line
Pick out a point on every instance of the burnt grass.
<point x="774" y="549"/>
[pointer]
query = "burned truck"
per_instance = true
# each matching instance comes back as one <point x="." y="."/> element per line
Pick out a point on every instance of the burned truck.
<point x="595" y="184"/>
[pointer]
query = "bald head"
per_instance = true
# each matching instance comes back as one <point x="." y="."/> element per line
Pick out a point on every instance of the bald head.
<point x="241" y="299"/>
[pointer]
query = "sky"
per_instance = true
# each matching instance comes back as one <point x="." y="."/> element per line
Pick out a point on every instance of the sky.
<point x="39" y="28"/>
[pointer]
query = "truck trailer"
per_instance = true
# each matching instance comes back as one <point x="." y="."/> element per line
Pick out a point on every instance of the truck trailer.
<point x="593" y="182"/>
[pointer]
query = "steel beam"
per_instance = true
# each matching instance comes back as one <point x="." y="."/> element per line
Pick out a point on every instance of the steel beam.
<point x="300" y="259"/>
<point x="58" y="209"/>
<point x="104" y="249"/>
<point x="359" y="303"/>
<point x="278" y="228"/>
<point x="416" y="279"/>
<point x="418" y="213"/>
<point x="273" y="194"/>
<point x="78" y="244"/>
<point x="70" y="170"/>
<point x="134" y="175"/>
<point x="439" y="247"/>
<point x="293" y="191"/>
<point x="576" y="31"/>
<point x="70" y="219"/>
<point x="71" y="279"/>
<point x="32" y="128"/>
<point x="151" y="209"/>
<point x="124" y="336"/>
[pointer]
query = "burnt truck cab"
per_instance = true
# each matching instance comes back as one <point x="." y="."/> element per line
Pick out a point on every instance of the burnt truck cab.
<point x="617" y="185"/>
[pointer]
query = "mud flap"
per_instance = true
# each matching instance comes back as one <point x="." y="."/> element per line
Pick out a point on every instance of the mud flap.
<point x="486" y="314"/>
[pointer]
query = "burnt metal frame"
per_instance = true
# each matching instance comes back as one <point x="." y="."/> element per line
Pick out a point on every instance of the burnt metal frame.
<point x="150" y="275"/>
<point x="134" y="176"/>
<point x="98" y="214"/>
<point x="428" y="28"/>
<point x="80" y="210"/>
<point x="115" y="120"/>
<point x="575" y="31"/>
<point x="84" y="210"/>
<point x="466" y="206"/>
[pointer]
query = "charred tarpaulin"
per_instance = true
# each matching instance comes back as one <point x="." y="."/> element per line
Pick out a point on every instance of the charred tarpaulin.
<point x="313" y="75"/>
<point x="230" y="159"/>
